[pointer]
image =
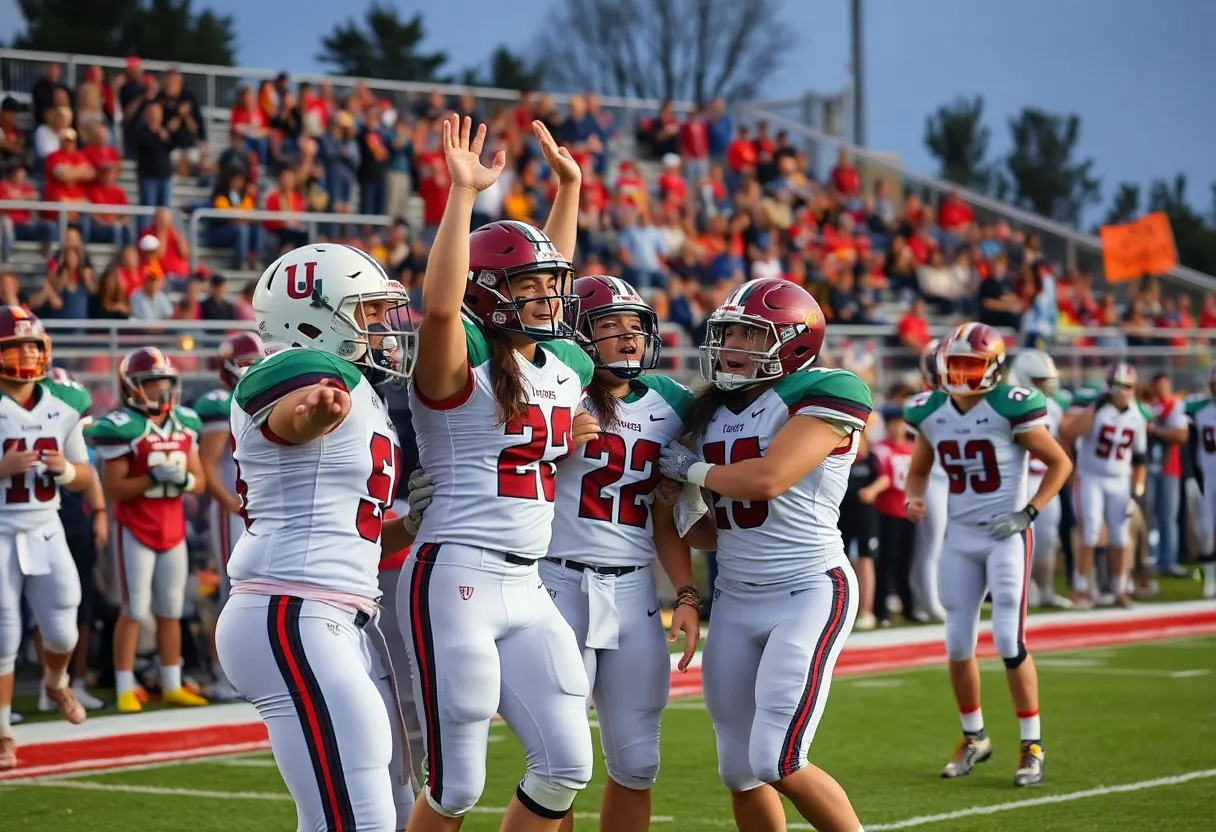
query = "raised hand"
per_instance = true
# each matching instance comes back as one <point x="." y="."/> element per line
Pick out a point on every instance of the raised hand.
<point x="463" y="155"/>
<point x="559" y="159"/>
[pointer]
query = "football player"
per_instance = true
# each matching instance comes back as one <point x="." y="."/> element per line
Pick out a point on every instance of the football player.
<point x="149" y="452"/>
<point x="1036" y="369"/>
<point x="981" y="432"/>
<point x="42" y="450"/>
<point x="317" y="462"/>
<point x="607" y="531"/>
<point x="931" y="531"/>
<point x="1111" y="432"/>
<point x="774" y="441"/>
<point x="237" y="353"/>
<point x="1201" y="490"/>
<point x="495" y="404"/>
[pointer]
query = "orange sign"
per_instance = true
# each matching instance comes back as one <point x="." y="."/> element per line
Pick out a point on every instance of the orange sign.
<point x="1134" y="249"/>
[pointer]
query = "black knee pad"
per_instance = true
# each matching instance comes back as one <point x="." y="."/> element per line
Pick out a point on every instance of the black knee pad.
<point x="1017" y="660"/>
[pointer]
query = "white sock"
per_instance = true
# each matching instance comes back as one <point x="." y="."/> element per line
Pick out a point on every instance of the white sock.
<point x="1118" y="584"/>
<point x="1209" y="572"/>
<point x="124" y="681"/>
<point x="1080" y="582"/>
<point x="1029" y="727"/>
<point x="170" y="677"/>
<point x="57" y="681"/>
<point x="973" y="721"/>
<point x="6" y="721"/>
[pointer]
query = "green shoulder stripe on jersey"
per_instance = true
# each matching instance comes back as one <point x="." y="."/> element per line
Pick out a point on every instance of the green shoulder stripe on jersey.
<point x="1063" y="398"/>
<point x="72" y="394"/>
<point x="475" y="343"/>
<point x="1018" y="405"/>
<point x="187" y="418"/>
<point x="573" y="356"/>
<point x="286" y="372"/>
<point x="839" y="394"/>
<point x="1194" y="404"/>
<point x="119" y="427"/>
<point x="1085" y="397"/>
<point x="1146" y="411"/>
<point x="215" y="406"/>
<point x="919" y="407"/>
<point x="677" y="396"/>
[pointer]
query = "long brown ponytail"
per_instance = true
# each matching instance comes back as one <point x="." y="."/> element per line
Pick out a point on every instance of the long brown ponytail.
<point x="506" y="378"/>
<point x="705" y="403"/>
<point x="604" y="401"/>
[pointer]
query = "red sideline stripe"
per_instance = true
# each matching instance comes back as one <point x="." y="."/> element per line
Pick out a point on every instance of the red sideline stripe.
<point x="109" y="752"/>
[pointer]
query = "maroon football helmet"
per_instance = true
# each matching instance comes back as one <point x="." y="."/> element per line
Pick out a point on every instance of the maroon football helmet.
<point x="600" y="296"/>
<point x="928" y="364"/>
<point x="786" y="333"/>
<point x="17" y="327"/>
<point x="144" y="365"/>
<point x="971" y="359"/>
<point x="238" y="352"/>
<point x="507" y="249"/>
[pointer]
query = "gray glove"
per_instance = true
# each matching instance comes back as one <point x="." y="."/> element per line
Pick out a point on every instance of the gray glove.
<point x="170" y="474"/>
<point x="422" y="491"/>
<point x="1007" y="525"/>
<point x="675" y="460"/>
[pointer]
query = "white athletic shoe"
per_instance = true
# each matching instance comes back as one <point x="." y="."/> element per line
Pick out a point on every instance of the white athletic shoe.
<point x="88" y="700"/>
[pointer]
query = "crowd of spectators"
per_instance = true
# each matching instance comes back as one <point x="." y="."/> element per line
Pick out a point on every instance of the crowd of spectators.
<point x="683" y="205"/>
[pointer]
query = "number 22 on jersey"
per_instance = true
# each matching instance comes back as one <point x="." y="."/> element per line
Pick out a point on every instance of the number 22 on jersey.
<point x="631" y="509"/>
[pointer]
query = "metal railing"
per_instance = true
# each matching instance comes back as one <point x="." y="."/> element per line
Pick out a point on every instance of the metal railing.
<point x="64" y="209"/>
<point x="308" y="217"/>
<point x="1063" y="244"/>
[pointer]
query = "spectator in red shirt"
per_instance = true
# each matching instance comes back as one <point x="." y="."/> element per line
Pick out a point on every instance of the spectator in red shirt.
<point x="845" y="177"/>
<point x="896" y="533"/>
<point x="104" y="190"/>
<point x="18" y="224"/>
<point x="68" y="174"/>
<point x="694" y="145"/>
<point x="913" y="329"/>
<point x="130" y="272"/>
<point x="433" y="189"/>
<point x="955" y="217"/>
<point x="12" y="138"/>
<point x="673" y="187"/>
<point x="285" y="197"/>
<point x="741" y="158"/>
<point x="250" y="121"/>
<point x="97" y="147"/>
<point x="174" y="250"/>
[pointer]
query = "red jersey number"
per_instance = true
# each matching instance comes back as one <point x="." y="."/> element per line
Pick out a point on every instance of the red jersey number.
<point x="742" y="514"/>
<point x="987" y="480"/>
<point x="631" y="509"/>
<point x="520" y="465"/>
<point x="45" y="488"/>
<point x="1106" y="444"/>
<point x="381" y="486"/>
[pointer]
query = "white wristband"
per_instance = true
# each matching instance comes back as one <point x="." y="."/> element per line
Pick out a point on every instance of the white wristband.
<point x="697" y="472"/>
<point x="69" y="474"/>
<point x="189" y="482"/>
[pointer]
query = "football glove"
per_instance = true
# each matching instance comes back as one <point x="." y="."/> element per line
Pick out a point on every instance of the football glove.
<point x="1010" y="523"/>
<point x="675" y="460"/>
<point x="422" y="491"/>
<point x="171" y="474"/>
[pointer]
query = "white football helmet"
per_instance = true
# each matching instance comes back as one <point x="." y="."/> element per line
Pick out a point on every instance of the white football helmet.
<point x="321" y="295"/>
<point x="1036" y="369"/>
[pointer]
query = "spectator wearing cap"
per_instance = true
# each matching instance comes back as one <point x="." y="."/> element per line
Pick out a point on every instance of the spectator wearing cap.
<point x="13" y="148"/>
<point x="104" y="190"/>
<point x="43" y="93"/>
<point x="153" y="166"/>
<point x="150" y="303"/>
<point x="68" y="176"/>
<point x="216" y="306"/>
<point x="251" y="121"/>
<point x="20" y="224"/>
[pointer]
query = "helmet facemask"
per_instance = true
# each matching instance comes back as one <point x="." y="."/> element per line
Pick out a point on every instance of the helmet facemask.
<point x="967" y="374"/>
<point x="18" y="365"/>
<point x="507" y="314"/>
<point x="637" y="350"/>
<point x="158" y="404"/>
<point x="386" y="349"/>
<point x="725" y="366"/>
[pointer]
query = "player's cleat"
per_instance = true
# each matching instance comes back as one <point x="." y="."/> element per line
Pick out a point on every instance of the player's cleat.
<point x="1059" y="602"/>
<point x="141" y="695"/>
<point x="90" y="702"/>
<point x="1030" y="769"/>
<point x="66" y="703"/>
<point x="182" y="698"/>
<point x="129" y="702"/>
<point x="865" y="621"/>
<point x="8" y="754"/>
<point x="969" y="752"/>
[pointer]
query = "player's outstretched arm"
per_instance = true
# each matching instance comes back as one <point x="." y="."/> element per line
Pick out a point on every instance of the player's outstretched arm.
<point x="562" y="225"/>
<point x="309" y="413"/>
<point x="444" y="369"/>
<point x="1039" y="441"/>
<point x="919" y="469"/>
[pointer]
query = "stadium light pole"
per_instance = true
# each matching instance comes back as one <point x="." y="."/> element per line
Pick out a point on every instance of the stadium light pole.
<point x="859" y="77"/>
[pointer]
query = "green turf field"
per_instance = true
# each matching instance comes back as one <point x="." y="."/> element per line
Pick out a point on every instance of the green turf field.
<point x="1130" y="735"/>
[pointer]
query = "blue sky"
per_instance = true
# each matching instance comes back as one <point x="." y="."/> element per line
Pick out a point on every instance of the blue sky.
<point x="1139" y="72"/>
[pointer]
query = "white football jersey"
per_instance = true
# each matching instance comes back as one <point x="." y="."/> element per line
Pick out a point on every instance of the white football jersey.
<point x="606" y="488"/>
<point x="798" y="532"/>
<point x="1113" y="439"/>
<point x="1202" y="412"/>
<point x="31" y="500"/>
<point x="313" y="512"/>
<point x="985" y="466"/>
<point x="495" y="484"/>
